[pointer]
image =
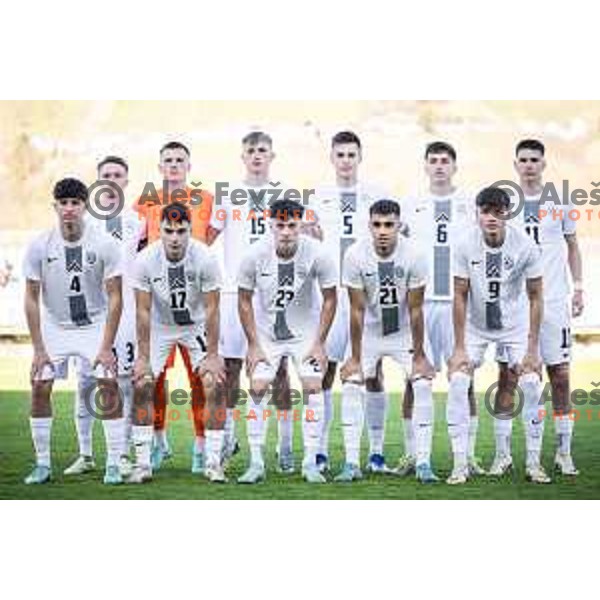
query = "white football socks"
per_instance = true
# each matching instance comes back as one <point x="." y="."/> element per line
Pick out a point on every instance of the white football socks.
<point x="375" y="406"/>
<point x="353" y="419"/>
<point x="532" y="417"/>
<point x="564" y="434"/>
<point x="126" y="391"/>
<point x="257" y="428"/>
<point x="409" y="437"/>
<point x="84" y="419"/>
<point x="214" y="446"/>
<point x="457" y="412"/>
<point x="40" y="433"/>
<point x="503" y="433"/>
<point x="285" y="432"/>
<point x="423" y="420"/>
<point x="142" y="436"/>
<point x="113" y="434"/>
<point x="327" y="421"/>
<point x="473" y="430"/>
<point x="312" y="427"/>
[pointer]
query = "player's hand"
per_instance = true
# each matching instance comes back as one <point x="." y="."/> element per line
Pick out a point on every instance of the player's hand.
<point x="351" y="372"/>
<point x="531" y="364"/>
<point x="106" y="359"/>
<point x="40" y="360"/>
<point x="313" y="230"/>
<point x="317" y="352"/>
<point x="578" y="304"/>
<point x="255" y="356"/>
<point x="422" y="368"/>
<point x="213" y="366"/>
<point x="458" y="362"/>
<point x="142" y="371"/>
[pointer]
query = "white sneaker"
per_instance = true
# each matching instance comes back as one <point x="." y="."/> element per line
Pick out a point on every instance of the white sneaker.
<point x="255" y="474"/>
<point x="565" y="465"/>
<point x="140" y="475"/>
<point x="125" y="466"/>
<point x="215" y="473"/>
<point x="501" y="466"/>
<point x="536" y="474"/>
<point x="460" y="476"/>
<point x="83" y="464"/>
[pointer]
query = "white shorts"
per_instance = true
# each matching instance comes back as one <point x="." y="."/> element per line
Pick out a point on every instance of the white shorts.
<point x="398" y="347"/>
<point x="511" y="352"/>
<point x="125" y="345"/>
<point x="166" y="337"/>
<point x="439" y="331"/>
<point x="339" y="335"/>
<point x="276" y="351"/>
<point x="555" y="334"/>
<point x="232" y="342"/>
<point x="61" y="344"/>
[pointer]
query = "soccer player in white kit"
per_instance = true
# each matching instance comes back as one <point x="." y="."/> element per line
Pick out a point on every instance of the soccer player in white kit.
<point x="177" y="285"/>
<point x="278" y="283"/>
<point x="385" y="277"/>
<point x="72" y="265"/>
<point x="437" y="222"/>
<point x="498" y="299"/>
<point x="342" y="210"/>
<point x="241" y="224"/>
<point x="551" y="227"/>
<point x="126" y="231"/>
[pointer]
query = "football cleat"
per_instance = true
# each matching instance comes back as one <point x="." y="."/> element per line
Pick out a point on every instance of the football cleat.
<point x="285" y="463"/>
<point x="349" y="474"/>
<point x="255" y="474"/>
<point x="501" y="466"/>
<point x="406" y="466"/>
<point x="459" y="476"/>
<point x="140" y="475"/>
<point x="215" y="473"/>
<point x="125" y="466"/>
<point x="565" y="466"/>
<point x="156" y="457"/>
<point x="536" y="474"/>
<point x="311" y="474"/>
<point x="322" y="462"/>
<point x="83" y="464"/>
<point x="197" y="463"/>
<point x="377" y="464"/>
<point x="425" y="474"/>
<point x="39" y="476"/>
<point x="112" y="475"/>
<point x="475" y="468"/>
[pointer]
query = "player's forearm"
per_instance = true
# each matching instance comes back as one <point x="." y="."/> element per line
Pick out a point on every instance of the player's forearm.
<point x="575" y="263"/>
<point x="459" y="315"/>
<point x="115" y="308"/>
<point x="32" y="314"/>
<point x="212" y="324"/>
<point x="143" y="332"/>
<point x="417" y="325"/>
<point x="247" y="320"/>
<point x="357" y="318"/>
<point x="327" y="315"/>
<point x="536" y="313"/>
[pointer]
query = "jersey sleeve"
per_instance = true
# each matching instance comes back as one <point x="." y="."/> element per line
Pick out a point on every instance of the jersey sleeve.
<point x="569" y="225"/>
<point x="219" y="215"/>
<point x="246" y="277"/>
<point x="141" y="276"/>
<point x="417" y="276"/>
<point x="212" y="279"/>
<point x="327" y="274"/>
<point x="32" y="263"/>
<point x="112" y="258"/>
<point x="460" y="262"/>
<point x="351" y="272"/>
<point x="534" y="268"/>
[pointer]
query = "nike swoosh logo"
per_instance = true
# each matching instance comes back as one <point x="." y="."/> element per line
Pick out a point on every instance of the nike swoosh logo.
<point x="475" y="263"/>
<point x="265" y="274"/>
<point x="51" y="260"/>
<point x="157" y="279"/>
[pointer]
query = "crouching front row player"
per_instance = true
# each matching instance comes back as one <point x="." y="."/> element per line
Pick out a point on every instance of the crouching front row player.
<point x="177" y="283"/>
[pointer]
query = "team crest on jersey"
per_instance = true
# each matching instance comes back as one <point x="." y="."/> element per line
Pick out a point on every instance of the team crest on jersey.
<point x="91" y="257"/>
<point x="399" y="271"/>
<point x="190" y="277"/>
<point x="509" y="263"/>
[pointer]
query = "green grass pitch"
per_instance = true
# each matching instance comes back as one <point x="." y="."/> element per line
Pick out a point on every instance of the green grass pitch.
<point x="175" y="481"/>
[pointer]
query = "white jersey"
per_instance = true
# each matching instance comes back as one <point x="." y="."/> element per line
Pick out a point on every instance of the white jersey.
<point x="242" y="223"/>
<point x="343" y="214"/>
<point x="126" y="231"/>
<point x="386" y="283"/>
<point x="177" y="288"/>
<point x="547" y="224"/>
<point x="72" y="275"/>
<point x="286" y="290"/>
<point x="437" y="223"/>
<point x="497" y="304"/>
